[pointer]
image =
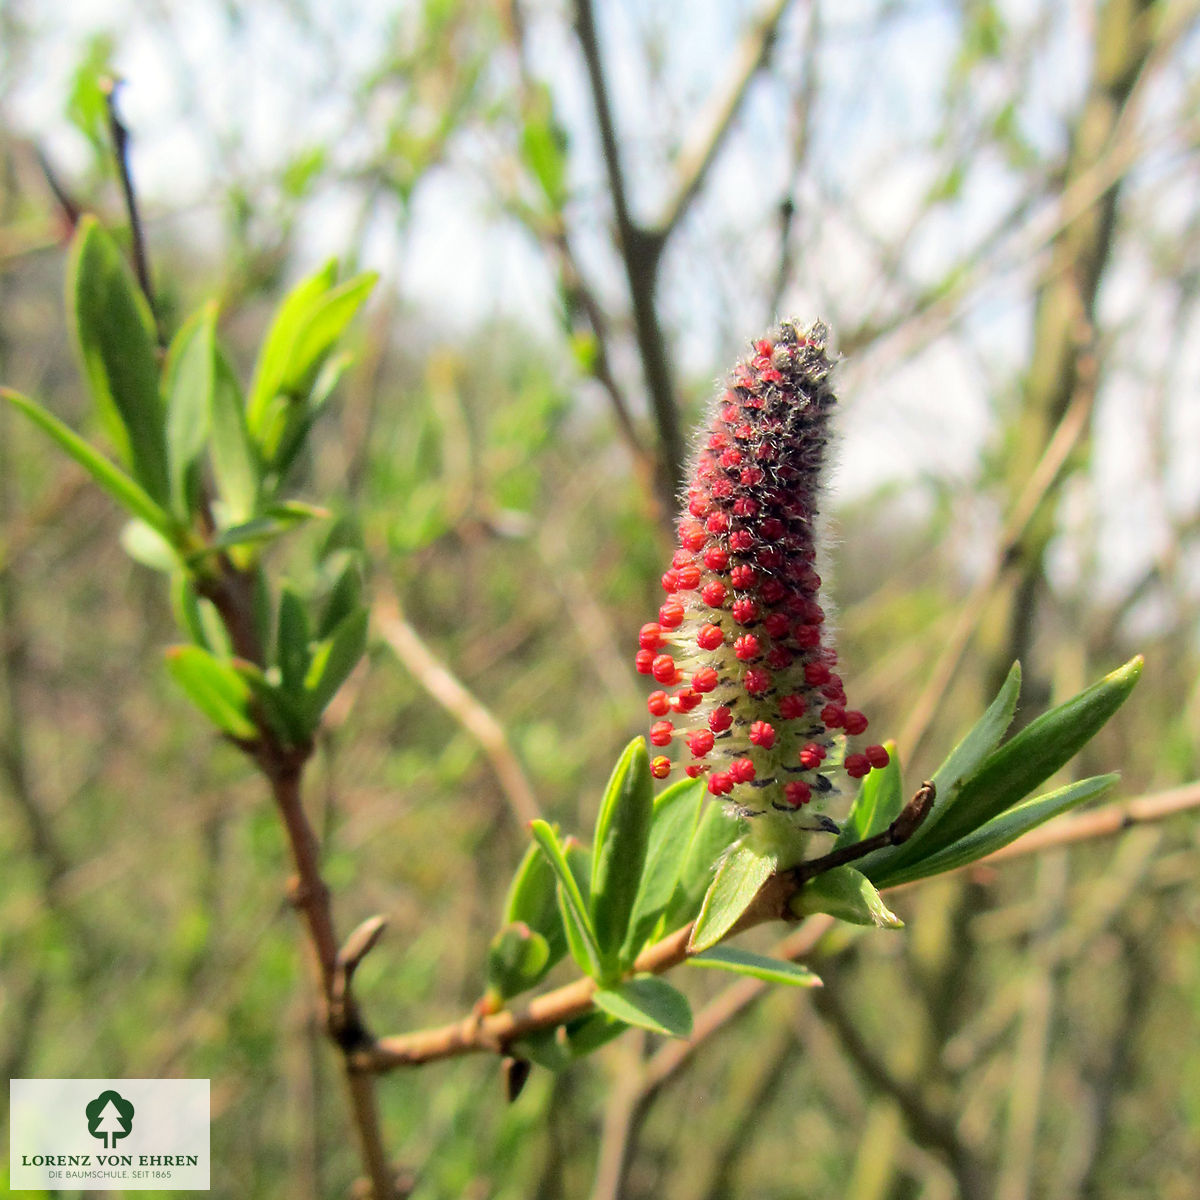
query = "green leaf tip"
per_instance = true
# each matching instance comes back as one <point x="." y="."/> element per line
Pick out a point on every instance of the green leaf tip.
<point x="740" y="875"/>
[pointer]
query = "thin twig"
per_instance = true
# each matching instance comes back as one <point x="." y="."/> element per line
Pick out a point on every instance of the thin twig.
<point x="120" y="137"/>
<point x="470" y="712"/>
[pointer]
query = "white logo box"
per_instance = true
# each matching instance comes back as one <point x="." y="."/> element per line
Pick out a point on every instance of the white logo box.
<point x="109" y="1134"/>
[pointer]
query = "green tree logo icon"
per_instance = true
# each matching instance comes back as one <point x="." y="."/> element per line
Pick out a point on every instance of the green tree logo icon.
<point x="109" y="1117"/>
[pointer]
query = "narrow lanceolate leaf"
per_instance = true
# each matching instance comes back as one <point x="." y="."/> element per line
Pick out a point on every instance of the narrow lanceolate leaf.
<point x="649" y="1003"/>
<point x="1001" y="830"/>
<point x="532" y="901"/>
<point x="676" y="813"/>
<point x="757" y="966"/>
<point x="215" y="688"/>
<point x="848" y="895"/>
<point x="291" y="642"/>
<point x="147" y="546"/>
<point x="234" y="459"/>
<point x="717" y="831"/>
<point x="516" y="960"/>
<point x="114" y="330"/>
<point x="332" y="661"/>
<point x="325" y="323"/>
<point x="276" y="349"/>
<point x="1010" y="773"/>
<point x="130" y="495"/>
<point x="619" y="851"/>
<point x="280" y="709"/>
<point x="879" y="801"/>
<point x="574" y="908"/>
<point x="189" y="379"/>
<point x="739" y="876"/>
<point x="344" y="598"/>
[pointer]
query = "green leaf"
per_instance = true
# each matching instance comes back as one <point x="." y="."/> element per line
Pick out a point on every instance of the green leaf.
<point x="1001" y="830"/>
<point x="185" y="605"/>
<point x="516" y="960"/>
<point x="291" y="642"/>
<point x="325" y="323"/>
<point x="757" y="966"/>
<point x="148" y="547"/>
<point x="649" y="1003"/>
<point x="215" y="688"/>
<point x="619" y="850"/>
<point x="879" y="802"/>
<point x="964" y="760"/>
<point x="847" y="894"/>
<point x="739" y="876"/>
<point x="580" y="935"/>
<point x="542" y="148"/>
<point x="276" y="348"/>
<point x="189" y="379"/>
<point x="532" y="900"/>
<point x="128" y="494"/>
<point x="286" y="718"/>
<point x="344" y="598"/>
<point x="714" y="835"/>
<point x="673" y="826"/>
<point x="115" y="333"/>
<point x="333" y="659"/>
<point x="1010" y="773"/>
<point x="595" y="1029"/>
<point x="234" y="459"/>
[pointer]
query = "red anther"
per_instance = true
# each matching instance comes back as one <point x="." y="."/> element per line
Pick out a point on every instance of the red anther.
<point x="770" y="557"/>
<point x="763" y="361"/>
<point x="747" y="648"/>
<point x="718" y="441"/>
<point x="744" y="506"/>
<point x="685" y="701"/>
<point x="807" y="636"/>
<point x="713" y="593"/>
<point x="721" y="489"/>
<point x="829" y="656"/>
<point x="730" y="458"/>
<point x="764" y="346"/>
<point x="742" y="770"/>
<point x="700" y="742"/>
<point x="834" y="693"/>
<point x="670" y="616"/>
<point x="833" y="715"/>
<point x="644" y="661"/>
<point x="660" y="733"/>
<point x="704" y="680"/>
<point x="772" y="528"/>
<point x="715" y="559"/>
<point x="720" y="719"/>
<point x="689" y="577"/>
<point x="762" y="733"/>
<point x="773" y="591"/>
<point x="779" y="658"/>
<point x="816" y="673"/>
<point x="740" y="540"/>
<point x="810" y="760"/>
<point x="744" y="611"/>
<point x="670" y="580"/>
<point x="743" y="577"/>
<point x="663" y="668"/>
<point x="681" y="558"/>
<point x="756" y="681"/>
<point x="698" y="506"/>
<point x="776" y="624"/>
<point x="717" y="522"/>
<point x="814" y="614"/>
<point x="751" y="476"/>
<point x="791" y="707"/>
<point x="771" y="375"/>
<point x="744" y="433"/>
<point x="694" y="770"/>
<point x="877" y="756"/>
<point x="855" y="723"/>
<point x="720" y="783"/>
<point x="650" y="637"/>
<point x="692" y="536"/>
<point x="710" y="637"/>
<point x="658" y="704"/>
<point x="730" y="412"/>
<point x="660" y="767"/>
<point x="857" y="765"/>
<point x="797" y="793"/>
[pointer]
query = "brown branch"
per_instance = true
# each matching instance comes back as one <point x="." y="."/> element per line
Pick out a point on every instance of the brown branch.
<point x="437" y="679"/>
